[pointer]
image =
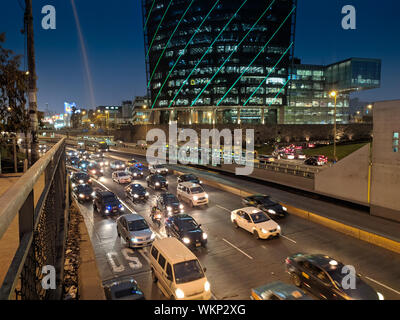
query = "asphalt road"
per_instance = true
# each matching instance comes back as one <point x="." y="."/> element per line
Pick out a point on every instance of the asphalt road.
<point x="235" y="260"/>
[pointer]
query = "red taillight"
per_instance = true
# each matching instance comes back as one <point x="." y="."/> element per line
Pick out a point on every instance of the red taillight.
<point x="288" y="261"/>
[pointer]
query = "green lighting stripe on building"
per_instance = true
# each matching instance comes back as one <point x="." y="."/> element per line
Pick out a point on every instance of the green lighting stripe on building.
<point x="169" y="40"/>
<point x="148" y="16"/>
<point x="159" y="25"/>
<point x="265" y="79"/>
<point x="201" y="59"/>
<point x="280" y="91"/>
<point x="251" y="63"/>
<point x="231" y="54"/>
<point x="183" y="51"/>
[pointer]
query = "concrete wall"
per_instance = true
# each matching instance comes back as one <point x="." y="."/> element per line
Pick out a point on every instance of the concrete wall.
<point x="263" y="133"/>
<point x="347" y="179"/>
<point x="385" y="191"/>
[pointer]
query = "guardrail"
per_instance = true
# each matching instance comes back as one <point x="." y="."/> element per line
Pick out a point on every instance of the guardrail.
<point x="42" y="227"/>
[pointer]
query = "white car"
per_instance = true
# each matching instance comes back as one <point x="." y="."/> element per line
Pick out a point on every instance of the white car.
<point x="192" y="193"/>
<point x="256" y="222"/>
<point x="121" y="177"/>
<point x="158" y="169"/>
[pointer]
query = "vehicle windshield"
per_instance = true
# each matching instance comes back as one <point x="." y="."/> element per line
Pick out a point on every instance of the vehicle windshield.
<point x="80" y="176"/>
<point x="85" y="189"/>
<point x="267" y="201"/>
<point x="121" y="174"/>
<point x="159" y="178"/>
<point x="111" y="200"/>
<point x="196" y="190"/>
<point x="137" y="189"/>
<point x="189" y="225"/>
<point x="158" y="166"/>
<point x="259" y="217"/>
<point x="188" y="271"/>
<point x="138" y="225"/>
<point x="190" y="177"/>
<point x="171" y="199"/>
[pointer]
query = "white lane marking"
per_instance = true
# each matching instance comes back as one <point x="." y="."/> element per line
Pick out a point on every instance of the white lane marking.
<point x="287" y="238"/>
<point x="143" y="254"/>
<point x="134" y="262"/>
<point x="110" y="258"/>
<point x="383" y="285"/>
<point x="223" y="208"/>
<point x="241" y="251"/>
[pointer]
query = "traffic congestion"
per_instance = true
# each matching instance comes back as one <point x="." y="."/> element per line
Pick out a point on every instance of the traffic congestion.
<point x="173" y="236"/>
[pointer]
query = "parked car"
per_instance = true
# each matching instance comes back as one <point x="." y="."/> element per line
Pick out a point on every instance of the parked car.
<point x="266" y="204"/>
<point x="134" y="172"/>
<point x="186" y="229"/>
<point x="136" y="192"/>
<point x="323" y="276"/>
<point x="83" y="192"/>
<point x="134" y="229"/>
<point x="106" y="202"/>
<point x="168" y="204"/>
<point x="192" y="193"/>
<point x="158" y="169"/>
<point x="278" y="291"/>
<point x="121" y="177"/>
<point x="78" y="178"/>
<point x="189" y="178"/>
<point x="157" y="182"/>
<point x="117" y="165"/>
<point x="256" y="222"/>
<point x="125" y="288"/>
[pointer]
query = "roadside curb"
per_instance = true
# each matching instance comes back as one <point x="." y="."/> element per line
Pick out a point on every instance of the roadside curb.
<point x="351" y="231"/>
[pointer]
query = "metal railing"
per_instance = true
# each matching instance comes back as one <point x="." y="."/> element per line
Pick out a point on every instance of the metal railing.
<point x="42" y="227"/>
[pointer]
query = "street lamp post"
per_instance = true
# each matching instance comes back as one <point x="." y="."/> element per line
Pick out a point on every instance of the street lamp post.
<point x="334" y="95"/>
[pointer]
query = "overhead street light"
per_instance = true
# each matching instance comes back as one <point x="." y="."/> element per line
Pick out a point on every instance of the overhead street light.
<point x="334" y="95"/>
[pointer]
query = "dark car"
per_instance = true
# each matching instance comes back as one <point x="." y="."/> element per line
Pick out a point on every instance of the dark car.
<point x="278" y="291"/>
<point x="95" y="170"/>
<point x="106" y="202"/>
<point x="78" y="178"/>
<point x="266" y="204"/>
<point x="134" y="172"/>
<point x="311" y="162"/>
<point x="136" y="192"/>
<point x="83" y="165"/>
<point x="189" y="178"/>
<point x="168" y="204"/>
<point x="73" y="161"/>
<point x="157" y="181"/>
<point x="186" y="229"/>
<point x="125" y="288"/>
<point x="324" y="277"/>
<point x="83" y="192"/>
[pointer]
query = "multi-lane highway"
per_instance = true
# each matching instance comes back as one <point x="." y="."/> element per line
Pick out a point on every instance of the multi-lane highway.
<point x="235" y="260"/>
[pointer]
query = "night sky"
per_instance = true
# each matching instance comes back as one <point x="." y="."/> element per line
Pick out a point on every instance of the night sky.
<point x="112" y="31"/>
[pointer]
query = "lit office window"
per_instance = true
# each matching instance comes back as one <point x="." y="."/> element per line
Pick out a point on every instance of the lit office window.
<point x="396" y="142"/>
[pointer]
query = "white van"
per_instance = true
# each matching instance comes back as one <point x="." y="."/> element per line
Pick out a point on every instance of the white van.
<point x="192" y="193"/>
<point x="178" y="271"/>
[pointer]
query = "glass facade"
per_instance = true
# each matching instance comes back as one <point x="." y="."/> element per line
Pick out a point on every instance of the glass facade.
<point x="308" y="97"/>
<point x="218" y="53"/>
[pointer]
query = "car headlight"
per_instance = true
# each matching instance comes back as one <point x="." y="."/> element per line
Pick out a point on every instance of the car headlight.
<point x="135" y="174"/>
<point x="179" y="294"/>
<point x="147" y="194"/>
<point x="158" y="171"/>
<point x="279" y="228"/>
<point x="157" y="184"/>
<point x="166" y="170"/>
<point x="134" y="240"/>
<point x="93" y="171"/>
<point x="122" y="208"/>
<point x="205" y="236"/>
<point x="201" y="182"/>
<point x="381" y="297"/>
<point x="181" y="206"/>
<point x="186" y="240"/>
<point x="207" y="286"/>
<point x="117" y="167"/>
<point x="206" y="196"/>
<point x="195" y="198"/>
<point x="153" y="236"/>
<point x="107" y="211"/>
<point x="284" y="208"/>
<point x="136" y="196"/>
<point x="73" y="185"/>
<point x="102" y="171"/>
<point x="123" y="166"/>
<point x="271" y="211"/>
<point x="81" y="196"/>
<point x="93" y="194"/>
<point x="81" y="181"/>
<point x="264" y="231"/>
<point x="169" y="208"/>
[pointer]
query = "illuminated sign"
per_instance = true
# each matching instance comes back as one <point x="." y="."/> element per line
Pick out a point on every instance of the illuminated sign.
<point x="69" y="106"/>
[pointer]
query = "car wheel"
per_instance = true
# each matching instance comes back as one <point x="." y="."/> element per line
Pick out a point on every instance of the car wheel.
<point x="153" y="276"/>
<point x="296" y="280"/>
<point x="256" y="234"/>
<point x="235" y="224"/>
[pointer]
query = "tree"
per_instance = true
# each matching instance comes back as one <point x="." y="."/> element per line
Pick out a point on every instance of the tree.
<point x="13" y="88"/>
